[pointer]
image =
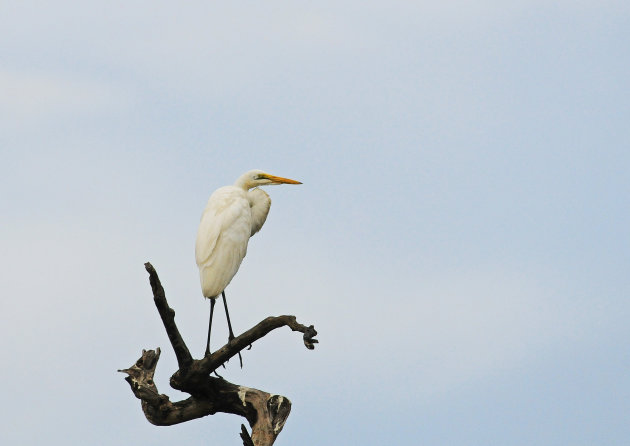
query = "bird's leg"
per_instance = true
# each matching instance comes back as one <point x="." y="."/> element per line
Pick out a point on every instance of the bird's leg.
<point x="227" y="314"/>
<point x="212" y="302"/>
<point x="231" y="335"/>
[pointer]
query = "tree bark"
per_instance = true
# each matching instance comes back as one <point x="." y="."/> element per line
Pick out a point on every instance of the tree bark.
<point x="266" y="413"/>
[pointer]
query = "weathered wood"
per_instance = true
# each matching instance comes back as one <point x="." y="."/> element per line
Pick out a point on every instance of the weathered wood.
<point x="184" y="358"/>
<point x="266" y="413"/>
<point x="220" y="356"/>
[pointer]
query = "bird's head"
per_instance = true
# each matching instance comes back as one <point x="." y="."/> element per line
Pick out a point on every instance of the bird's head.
<point x="255" y="178"/>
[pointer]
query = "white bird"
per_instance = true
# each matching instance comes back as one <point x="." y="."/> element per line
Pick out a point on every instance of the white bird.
<point x="233" y="214"/>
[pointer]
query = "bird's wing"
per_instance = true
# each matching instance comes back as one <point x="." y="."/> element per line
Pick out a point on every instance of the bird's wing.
<point x="225" y="217"/>
<point x="222" y="239"/>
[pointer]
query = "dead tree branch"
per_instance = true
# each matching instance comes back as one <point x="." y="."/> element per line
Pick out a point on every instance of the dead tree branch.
<point x="266" y="413"/>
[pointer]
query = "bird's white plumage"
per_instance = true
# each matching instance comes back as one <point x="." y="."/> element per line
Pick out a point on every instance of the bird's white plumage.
<point x="222" y="238"/>
<point x="233" y="214"/>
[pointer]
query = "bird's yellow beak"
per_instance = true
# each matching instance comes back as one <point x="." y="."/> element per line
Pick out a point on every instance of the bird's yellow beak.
<point x="280" y="180"/>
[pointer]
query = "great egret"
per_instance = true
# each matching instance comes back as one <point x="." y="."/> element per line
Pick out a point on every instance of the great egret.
<point x="233" y="214"/>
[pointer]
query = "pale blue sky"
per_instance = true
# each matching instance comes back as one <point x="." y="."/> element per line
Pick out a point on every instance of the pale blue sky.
<point x="460" y="240"/>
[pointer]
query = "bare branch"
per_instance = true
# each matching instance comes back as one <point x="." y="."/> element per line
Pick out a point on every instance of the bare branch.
<point x="247" y="440"/>
<point x="266" y="413"/>
<point x="184" y="358"/>
<point x="233" y="347"/>
<point x="158" y="408"/>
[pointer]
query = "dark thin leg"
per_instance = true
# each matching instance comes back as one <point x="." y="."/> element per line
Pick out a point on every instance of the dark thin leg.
<point x="231" y="335"/>
<point x="212" y="302"/>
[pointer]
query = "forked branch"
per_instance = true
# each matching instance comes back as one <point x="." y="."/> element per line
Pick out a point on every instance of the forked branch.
<point x="266" y="413"/>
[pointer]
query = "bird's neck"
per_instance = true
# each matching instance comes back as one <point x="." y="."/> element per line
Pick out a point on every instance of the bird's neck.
<point x="243" y="183"/>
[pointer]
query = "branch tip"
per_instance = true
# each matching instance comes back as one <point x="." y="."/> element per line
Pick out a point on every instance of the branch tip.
<point x="247" y="440"/>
